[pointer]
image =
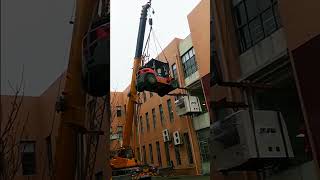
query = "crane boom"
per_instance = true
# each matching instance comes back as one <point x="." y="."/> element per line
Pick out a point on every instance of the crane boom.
<point x="73" y="116"/>
<point x="137" y="63"/>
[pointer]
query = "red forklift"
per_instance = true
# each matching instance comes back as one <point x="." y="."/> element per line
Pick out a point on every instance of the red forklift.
<point x="154" y="76"/>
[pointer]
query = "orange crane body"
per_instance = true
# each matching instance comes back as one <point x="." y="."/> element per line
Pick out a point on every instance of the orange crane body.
<point x="73" y="117"/>
<point x="123" y="161"/>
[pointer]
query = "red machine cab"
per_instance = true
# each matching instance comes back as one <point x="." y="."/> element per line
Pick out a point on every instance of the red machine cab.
<point x="154" y="76"/>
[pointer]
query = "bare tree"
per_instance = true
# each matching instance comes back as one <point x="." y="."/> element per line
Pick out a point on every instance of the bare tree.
<point x="12" y="129"/>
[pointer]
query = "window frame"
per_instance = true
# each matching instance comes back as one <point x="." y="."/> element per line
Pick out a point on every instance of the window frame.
<point x="34" y="158"/>
<point x="147" y="121"/>
<point x="189" y="64"/>
<point x="154" y="117"/>
<point x="243" y="45"/>
<point x="162" y="118"/>
<point x="170" y="110"/>
<point x="178" y="155"/>
<point x="118" y="111"/>
<point x="151" y="154"/>
<point x="159" y="153"/>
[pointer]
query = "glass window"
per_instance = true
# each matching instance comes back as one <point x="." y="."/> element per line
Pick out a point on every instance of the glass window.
<point x="240" y="15"/>
<point x="138" y="154"/>
<point x="166" y="145"/>
<point x="159" y="153"/>
<point x="256" y="30"/>
<point x="203" y="139"/>
<point x="151" y="153"/>
<point x="144" y="154"/>
<point x="118" y="111"/>
<point x="269" y="24"/>
<point x="177" y="152"/>
<point x="28" y="159"/>
<point x="141" y="124"/>
<point x="174" y="71"/>
<point x="252" y="8"/>
<point x="188" y="146"/>
<point x="254" y="21"/>
<point x="161" y="114"/>
<point x="189" y="63"/>
<point x="170" y="110"/>
<point x="147" y="122"/>
<point x="154" y="118"/>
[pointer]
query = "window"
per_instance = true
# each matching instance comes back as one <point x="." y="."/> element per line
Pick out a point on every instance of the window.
<point x="151" y="94"/>
<point x="166" y="145"/>
<point x="28" y="159"/>
<point x="118" y="111"/>
<point x="141" y="124"/>
<point x="177" y="152"/>
<point x="154" y="118"/>
<point x="203" y="136"/>
<point x="138" y="154"/>
<point x="255" y="20"/>
<point x="161" y="114"/>
<point x="151" y="153"/>
<point x="147" y="122"/>
<point x="174" y="71"/>
<point x="189" y="63"/>
<point x="49" y="154"/>
<point x="144" y="97"/>
<point x="125" y="109"/>
<point x="144" y="154"/>
<point x="159" y="154"/>
<point x="119" y="131"/>
<point x="188" y="146"/>
<point x="170" y="110"/>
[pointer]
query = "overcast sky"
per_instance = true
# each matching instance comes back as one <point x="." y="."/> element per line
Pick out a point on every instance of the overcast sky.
<point x="36" y="34"/>
<point x="169" y="21"/>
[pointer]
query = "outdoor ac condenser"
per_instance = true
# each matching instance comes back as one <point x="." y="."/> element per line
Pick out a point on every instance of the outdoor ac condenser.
<point x="238" y="144"/>
<point x="176" y="138"/>
<point x="187" y="105"/>
<point x="166" y="135"/>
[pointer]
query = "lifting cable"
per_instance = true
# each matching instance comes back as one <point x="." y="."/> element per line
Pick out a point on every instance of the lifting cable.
<point x="155" y="37"/>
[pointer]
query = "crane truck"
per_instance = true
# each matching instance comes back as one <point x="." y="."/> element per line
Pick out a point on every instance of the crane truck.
<point x="124" y="161"/>
<point x="87" y="75"/>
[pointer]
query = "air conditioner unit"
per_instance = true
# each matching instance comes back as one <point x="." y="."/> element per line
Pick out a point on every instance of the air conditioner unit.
<point x="188" y="105"/>
<point x="176" y="138"/>
<point x="166" y="135"/>
<point x="114" y="136"/>
<point x="238" y="144"/>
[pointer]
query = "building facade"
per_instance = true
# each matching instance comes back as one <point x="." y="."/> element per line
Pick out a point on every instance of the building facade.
<point x="36" y="131"/>
<point x="189" y="64"/>
<point x="262" y="42"/>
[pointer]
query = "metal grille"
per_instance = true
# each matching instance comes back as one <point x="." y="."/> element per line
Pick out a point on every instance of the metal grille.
<point x="96" y="107"/>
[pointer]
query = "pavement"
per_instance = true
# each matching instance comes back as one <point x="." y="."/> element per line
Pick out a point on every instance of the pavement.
<point x="171" y="177"/>
<point x="184" y="177"/>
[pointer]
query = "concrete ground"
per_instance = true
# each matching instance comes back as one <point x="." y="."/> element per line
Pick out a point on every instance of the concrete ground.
<point x="172" y="177"/>
<point x="184" y="177"/>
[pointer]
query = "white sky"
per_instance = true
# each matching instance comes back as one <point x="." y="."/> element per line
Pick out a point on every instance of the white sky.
<point x="169" y="21"/>
<point x="36" y="34"/>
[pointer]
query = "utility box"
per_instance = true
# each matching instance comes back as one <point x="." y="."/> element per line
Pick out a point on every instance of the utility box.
<point x="177" y="138"/>
<point x="241" y="144"/>
<point x="188" y="105"/>
<point x="166" y="135"/>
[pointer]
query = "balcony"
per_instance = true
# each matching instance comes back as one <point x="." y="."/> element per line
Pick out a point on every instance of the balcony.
<point x="265" y="52"/>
